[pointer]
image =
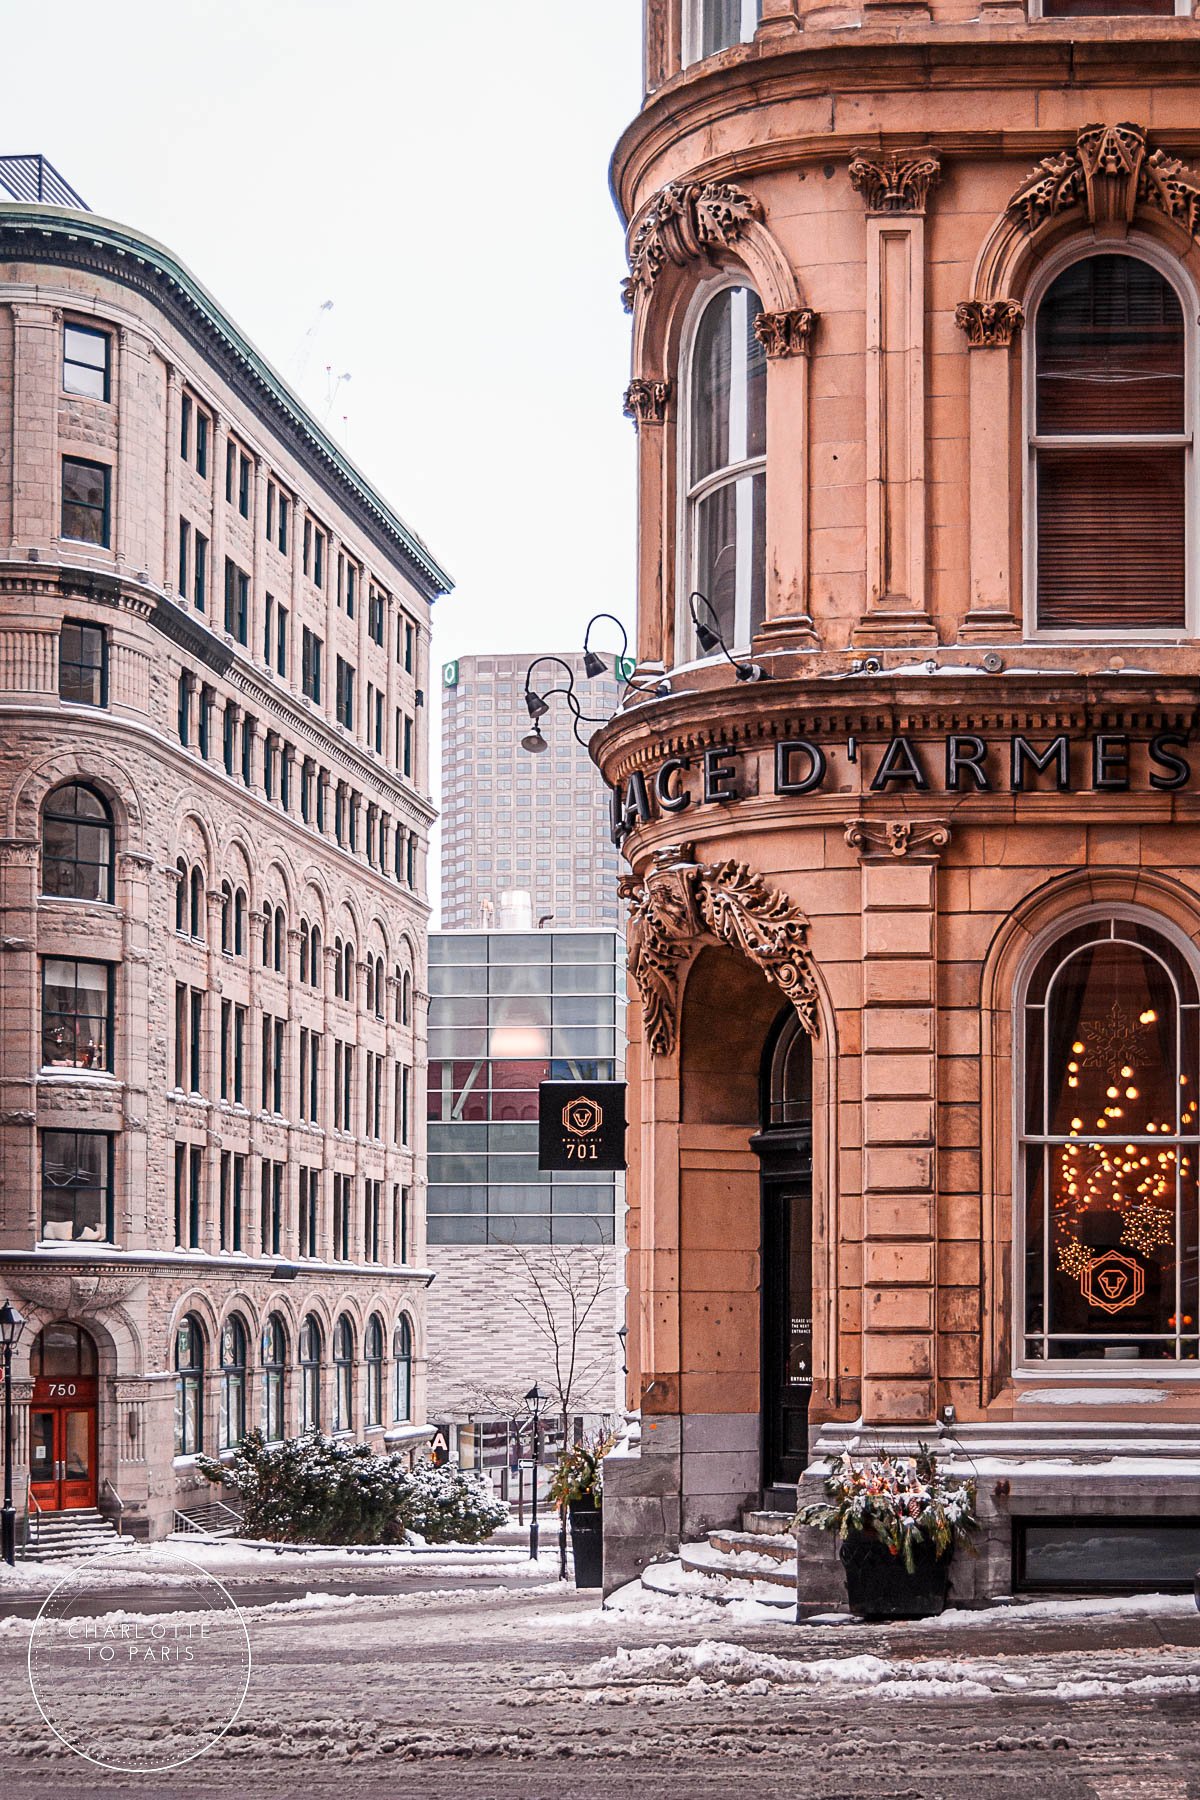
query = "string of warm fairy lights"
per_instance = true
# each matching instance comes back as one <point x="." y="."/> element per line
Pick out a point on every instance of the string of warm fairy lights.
<point x="1128" y="1179"/>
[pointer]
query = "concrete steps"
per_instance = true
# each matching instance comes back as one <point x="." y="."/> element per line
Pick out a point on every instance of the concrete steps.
<point x="69" y="1536"/>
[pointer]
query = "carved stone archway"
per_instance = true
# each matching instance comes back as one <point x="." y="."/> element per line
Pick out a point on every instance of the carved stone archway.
<point x="680" y="905"/>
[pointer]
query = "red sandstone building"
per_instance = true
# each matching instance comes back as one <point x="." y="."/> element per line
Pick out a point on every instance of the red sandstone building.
<point x="214" y="638"/>
<point x="915" y="869"/>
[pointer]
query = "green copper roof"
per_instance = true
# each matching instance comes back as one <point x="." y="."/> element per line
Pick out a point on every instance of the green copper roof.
<point x="55" y="234"/>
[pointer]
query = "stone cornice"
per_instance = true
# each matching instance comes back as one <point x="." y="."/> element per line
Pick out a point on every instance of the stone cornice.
<point x="145" y="1263"/>
<point x="43" y="234"/>
<point x="1074" y="54"/>
<point x="688" y="724"/>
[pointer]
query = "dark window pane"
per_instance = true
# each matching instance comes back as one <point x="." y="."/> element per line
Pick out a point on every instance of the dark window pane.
<point x="85" y="489"/>
<point x="85" y="362"/>
<point x="1111" y="531"/>
<point x="1110" y="350"/>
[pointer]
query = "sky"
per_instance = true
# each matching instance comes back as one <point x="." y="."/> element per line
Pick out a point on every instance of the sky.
<point x="438" y="169"/>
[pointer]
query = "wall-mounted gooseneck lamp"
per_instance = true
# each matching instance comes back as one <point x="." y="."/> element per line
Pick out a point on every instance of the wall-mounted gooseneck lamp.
<point x="538" y="705"/>
<point x="594" y="665"/>
<point x="710" y="637"/>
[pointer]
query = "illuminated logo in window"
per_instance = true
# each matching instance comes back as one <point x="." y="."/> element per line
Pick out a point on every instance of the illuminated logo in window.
<point x="1113" y="1281"/>
<point x="582" y="1117"/>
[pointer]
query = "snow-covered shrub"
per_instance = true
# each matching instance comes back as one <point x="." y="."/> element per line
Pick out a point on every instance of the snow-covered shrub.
<point x="321" y="1490"/>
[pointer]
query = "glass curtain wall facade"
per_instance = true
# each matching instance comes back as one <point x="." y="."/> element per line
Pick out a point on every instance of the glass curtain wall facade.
<point x="508" y="1010"/>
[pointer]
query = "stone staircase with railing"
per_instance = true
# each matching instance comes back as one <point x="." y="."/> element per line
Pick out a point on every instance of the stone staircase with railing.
<point x="71" y="1536"/>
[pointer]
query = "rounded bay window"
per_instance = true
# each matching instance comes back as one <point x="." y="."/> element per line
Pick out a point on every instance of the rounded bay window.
<point x="1110" y="1142"/>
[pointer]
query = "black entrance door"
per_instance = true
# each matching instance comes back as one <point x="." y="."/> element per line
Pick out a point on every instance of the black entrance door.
<point x="787" y="1346"/>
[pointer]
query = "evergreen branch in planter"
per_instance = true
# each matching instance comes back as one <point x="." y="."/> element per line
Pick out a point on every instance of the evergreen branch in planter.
<point x="902" y="1501"/>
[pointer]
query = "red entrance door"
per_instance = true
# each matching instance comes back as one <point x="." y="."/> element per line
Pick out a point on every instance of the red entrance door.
<point x="62" y="1444"/>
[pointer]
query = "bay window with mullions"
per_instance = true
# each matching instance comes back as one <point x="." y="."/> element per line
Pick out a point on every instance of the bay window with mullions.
<point x="1110" y="1141"/>
<point x="725" y="467"/>
<point x="1110" y="449"/>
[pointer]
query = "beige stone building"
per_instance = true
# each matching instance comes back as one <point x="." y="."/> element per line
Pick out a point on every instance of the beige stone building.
<point x="214" y="648"/>
<point x="915" y="868"/>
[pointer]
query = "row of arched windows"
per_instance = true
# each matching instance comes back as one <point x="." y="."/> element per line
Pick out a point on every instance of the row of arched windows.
<point x="383" y="1392"/>
<point x="1110" y="460"/>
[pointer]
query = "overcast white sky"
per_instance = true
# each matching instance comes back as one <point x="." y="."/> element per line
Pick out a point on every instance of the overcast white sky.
<point x="439" y="170"/>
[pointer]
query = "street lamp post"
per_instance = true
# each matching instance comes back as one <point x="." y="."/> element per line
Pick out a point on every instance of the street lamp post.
<point x="534" y="1400"/>
<point x="11" y="1326"/>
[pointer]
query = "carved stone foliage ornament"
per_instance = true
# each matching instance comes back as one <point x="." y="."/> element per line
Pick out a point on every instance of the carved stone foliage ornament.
<point x="897" y="837"/>
<point x="646" y="401"/>
<point x="988" y="323"/>
<point x="785" y="333"/>
<point x="1109" y="173"/>
<point x="682" y="904"/>
<point x="899" y="182"/>
<point x="688" y="219"/>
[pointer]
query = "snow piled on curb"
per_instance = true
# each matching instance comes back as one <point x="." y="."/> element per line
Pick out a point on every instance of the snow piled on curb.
<point x="716" y="1667"/>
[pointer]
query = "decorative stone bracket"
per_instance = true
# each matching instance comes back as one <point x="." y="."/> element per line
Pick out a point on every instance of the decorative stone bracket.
<point x="897" y="837"/>
<point x="785" y="333"/>
<point x="646" y="401"/>
<point x="989" y="323"/>
<point x="898" y="182"/>
<point x="688" y="219"/>
<point x="1109" y="173"/>
<point x="682" y="904"/>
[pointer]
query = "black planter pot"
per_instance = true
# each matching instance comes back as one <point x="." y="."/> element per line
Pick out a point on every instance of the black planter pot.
<point x="879" y="1586"/>
<point x="587" y="1544"/>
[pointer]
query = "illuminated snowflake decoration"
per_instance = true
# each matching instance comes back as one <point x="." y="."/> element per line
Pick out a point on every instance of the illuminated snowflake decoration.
<point x="1146" y="1228"/>
<point x="1073" y="1257"/>
<point x="1116" y="1038"/>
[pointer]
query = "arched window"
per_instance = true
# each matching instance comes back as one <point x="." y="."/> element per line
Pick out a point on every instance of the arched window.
<point x="406" y="1003"/>
<point x="226" y="918"/>
<point x="373" y="1357"/>
<point x="398" y="1002"/>
<point x="348" y="970"/>
<point x="305" y="949"/>
<point x="1109" y="1154"/>
<point x="789" y="1101"/>
<point x="370" y="984"/>
<point x="274" y="1370"/>
<point x="726" y="473"/>
<point x="402" y="1370"/>
<point x="714" y="25"/>
<point x="267" y="934"/>
<point x="77" y="844"/>
<point x="182" y="896"/>
<point x="233" y="1382"/>
<point x="239" y="922"/>
<point x="279" y="941"/>
<point x="317" y="969"/>
<point x="61" y="1349"/>
<point x="343" y="1375"/>
<point x="1110" y="449"/>
<point x="337" y="968"/>
<point x="311" y="1350"/>
<point x="196" y="906"/>
<point x="189" y="1386"/>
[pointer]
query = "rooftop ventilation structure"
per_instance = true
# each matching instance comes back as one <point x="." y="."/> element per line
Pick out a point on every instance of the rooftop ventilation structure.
<point x="34" y="178"/>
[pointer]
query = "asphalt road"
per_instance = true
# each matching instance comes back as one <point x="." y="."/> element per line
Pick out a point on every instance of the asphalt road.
<point x="503" y="1695"/>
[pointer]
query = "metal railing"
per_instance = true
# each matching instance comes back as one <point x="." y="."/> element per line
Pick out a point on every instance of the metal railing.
<point x="34" y="1514"/>
<point x="120" y="1506"/>
<point x="215" y="1512"/>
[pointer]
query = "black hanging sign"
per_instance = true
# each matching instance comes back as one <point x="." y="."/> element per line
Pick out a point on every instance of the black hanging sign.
<point x="581" y="1125"/>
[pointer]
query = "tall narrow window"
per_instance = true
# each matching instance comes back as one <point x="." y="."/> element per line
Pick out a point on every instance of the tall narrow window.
<point x="1110" y="449"/>
<point x="373" y="1360"/>
<point x="233" y="1382"/>
<point x="311" y="1345"/>
<point x="726" y="476"/>
<point x="343" y="1375"/>
<point x="274" y="1370"/>
<point x="402" y="1371"/>
<point x="189" y="1387"/>
<point x="76" y="1010"/>
<point x="77" y="1184"/>
<point x="714" y="25"/>
<point x="1111" y="1141"/>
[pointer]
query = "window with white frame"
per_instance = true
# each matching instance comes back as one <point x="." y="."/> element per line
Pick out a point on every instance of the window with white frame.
<point x="1110" y="449"/>
<point x="1109" y="1145"/>
<point x="712" y="25"/>
<point x="725" y="464"/>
